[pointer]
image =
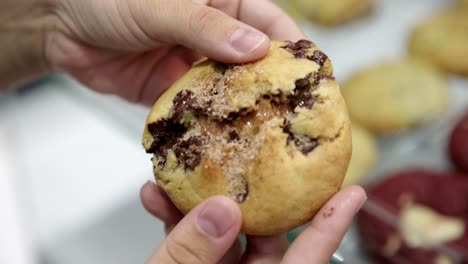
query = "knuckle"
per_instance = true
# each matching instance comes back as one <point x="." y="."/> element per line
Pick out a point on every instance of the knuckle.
<point x="178" y="251"/>
<point x="203" y="20"/>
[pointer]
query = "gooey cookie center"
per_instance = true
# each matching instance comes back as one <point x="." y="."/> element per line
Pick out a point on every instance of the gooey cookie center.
<point x="234" y="144"/>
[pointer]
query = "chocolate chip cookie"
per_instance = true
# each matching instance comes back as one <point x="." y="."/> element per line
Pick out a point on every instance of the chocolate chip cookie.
<point x="396" y="95"/>
<point x="333" y="12"/>
<point x="463" y="3"/>
<point x="273" y="135"/>
<point x="443" y="40"/>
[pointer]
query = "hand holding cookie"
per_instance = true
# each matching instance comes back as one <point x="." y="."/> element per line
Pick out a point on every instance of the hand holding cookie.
<point x="208" y="234"/>
<point x="135" y="49"/>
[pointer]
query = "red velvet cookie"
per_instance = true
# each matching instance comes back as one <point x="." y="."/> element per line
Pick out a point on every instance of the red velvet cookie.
<point x="425" y="220"/>
<point x="459" y="144"/>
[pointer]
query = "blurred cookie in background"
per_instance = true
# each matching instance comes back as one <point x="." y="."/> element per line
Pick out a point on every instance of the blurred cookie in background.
<point x="291" y="9"/>
<point x="463" y="3"/>
<point x="458" y="146"/>
<point x="417" y="216"/>
<point x="443" y="40"/>
<point x="332" y="12"/>
<point x="395" y="96"/>
<point x="364" y="155"/>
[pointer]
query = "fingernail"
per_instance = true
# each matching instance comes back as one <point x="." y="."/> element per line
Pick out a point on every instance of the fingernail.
<point x="151" y="184"/>
<point x="246" y="40"/>
<point x="360" y="204"/>
<point x="215" y="219"/>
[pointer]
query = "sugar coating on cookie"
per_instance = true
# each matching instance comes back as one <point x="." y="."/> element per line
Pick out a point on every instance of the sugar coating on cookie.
<point x="396" y="95"/>
<point x="271" y="135"/>
<point x="443" y="40"/>
<point x="333" y="12"/>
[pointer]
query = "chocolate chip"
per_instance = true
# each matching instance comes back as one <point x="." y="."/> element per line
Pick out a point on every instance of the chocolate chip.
<point x="318" y="57"/>
<point x="302" y="96"/>
<point x="189" y="152"/>
<point x="223" y="67"/>
<point x="318" y="77"/>
<point x="304" y="144"/>
<point x="220" y="67"/>
<point x="301" y="44"/>
<point x="242" y="196"/>
<point x="301" y="83"/>
<point x="304" y="44"/>
<point x="183" y="101"/>
<point x="233" y="136"/>
<point x="299" y="48"/>
<point x="307" y="100"/>
<point x="165" y="135"/>
<point x="300" y="54"/>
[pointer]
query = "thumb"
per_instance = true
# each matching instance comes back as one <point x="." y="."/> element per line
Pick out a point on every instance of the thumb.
<point x="204" y="29"/>
<point x="202" y="236"/>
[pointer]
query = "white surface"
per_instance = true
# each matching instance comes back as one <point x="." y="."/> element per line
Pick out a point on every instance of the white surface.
<point x="15" y="240"/>
<point x="78" y="165"/>
<point x="80" y="174"/>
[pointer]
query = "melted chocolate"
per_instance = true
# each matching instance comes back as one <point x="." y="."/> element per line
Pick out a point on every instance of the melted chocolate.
<point x="241" y="112"/>
<point x="302" y="96"/>
<point x="304" y="144"/>
<point x="183" y="101"/>
<point x="167" y="131"/>
<point x="165" y="134"/>
<point x="189" y="152"/>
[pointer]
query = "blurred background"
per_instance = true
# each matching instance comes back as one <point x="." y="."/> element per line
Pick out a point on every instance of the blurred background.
<point x="71" y="162"/>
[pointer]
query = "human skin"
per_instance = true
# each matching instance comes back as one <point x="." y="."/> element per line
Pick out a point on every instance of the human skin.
<point x="137" y="49"/>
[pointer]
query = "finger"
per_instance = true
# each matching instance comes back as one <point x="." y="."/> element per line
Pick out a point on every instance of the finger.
<point x="157" y="203"/>
<point x="164" y="73"/>
<point x="168" y="228"/>
<point x="273" y="20"/>
<point x="233" y="255"/>
<point x="202" y="236"/>
<point x="265" y="249"/>
<point x="261" y="14"/>
<point x="318" y="242"/>
<point x="199" y="27"/>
